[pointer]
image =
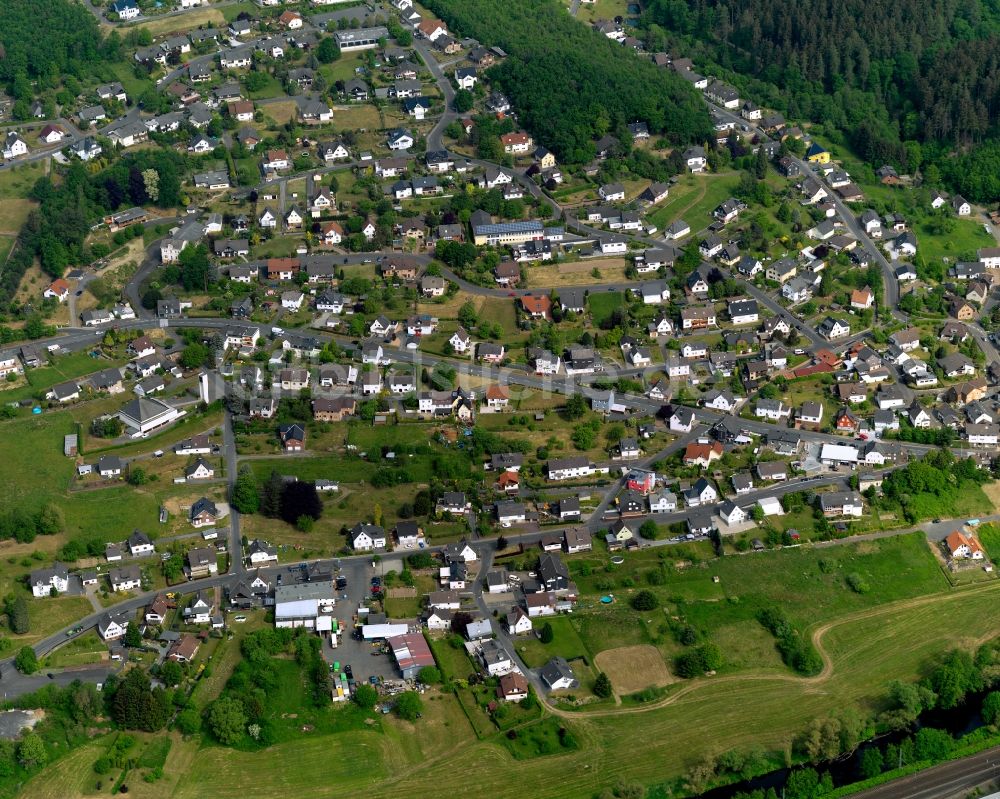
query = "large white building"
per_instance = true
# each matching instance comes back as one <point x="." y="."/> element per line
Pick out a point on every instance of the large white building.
<point x="308" y="605"/>
<point x="145" y="414"/>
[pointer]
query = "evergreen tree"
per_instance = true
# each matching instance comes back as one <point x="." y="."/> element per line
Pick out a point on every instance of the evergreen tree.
<point x="17" y="612"/>
<point x="133" y="638"/>
<point x="270" y="497"/>
<point x="246" y="493"/>
<point x="299" y="499"/>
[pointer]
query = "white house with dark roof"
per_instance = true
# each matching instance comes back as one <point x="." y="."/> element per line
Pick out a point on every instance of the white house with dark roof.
<point x="54" y="578"/>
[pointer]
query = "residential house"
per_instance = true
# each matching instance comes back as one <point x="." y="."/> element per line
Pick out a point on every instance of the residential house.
<point x="202" y="562"/>
<point x="126" y="578"/>
<point x="365" y="537"/>
<point x="841" y="503"/>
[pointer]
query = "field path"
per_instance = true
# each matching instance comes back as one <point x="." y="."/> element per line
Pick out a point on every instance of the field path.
<point x="816" y="637"/>
<point x="700" y="194"/>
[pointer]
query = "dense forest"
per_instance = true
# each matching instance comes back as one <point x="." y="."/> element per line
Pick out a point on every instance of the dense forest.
<point x="46" y="39"/>
<point x="908" y="82"/>
<point x="571" y="85"/>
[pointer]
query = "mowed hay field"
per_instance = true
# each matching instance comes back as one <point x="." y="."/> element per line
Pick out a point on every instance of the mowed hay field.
<point x="634" y="668"/>
<point x="13" y="214"/>
<point x="281" y="112"/>
<point x="184" y="22"/>
<point x="577" y="273"/>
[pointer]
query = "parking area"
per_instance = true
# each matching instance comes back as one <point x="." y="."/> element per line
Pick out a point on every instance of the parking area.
<point x="365" y="660"/>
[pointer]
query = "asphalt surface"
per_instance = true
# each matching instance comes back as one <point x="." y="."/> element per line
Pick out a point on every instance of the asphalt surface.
<point x="237" y="564"/>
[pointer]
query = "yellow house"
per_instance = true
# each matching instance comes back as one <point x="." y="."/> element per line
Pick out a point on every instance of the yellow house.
<point x="546" y="160"/>
<point x="817" y="155"/>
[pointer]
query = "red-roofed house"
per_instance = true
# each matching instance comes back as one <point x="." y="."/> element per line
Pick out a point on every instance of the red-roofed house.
<point x="184" y="648"/>
<point x="332" y="233"/>
<point x="291" y="20"/>
<point x="513" y="687"/>
<point x="537" y="306"/>
<point x="697" y="454"/>
<point x="509" y="482"/>
<point x="276" y="159"/>
<point x="282" y="268"/>
<point x="516" y="143"/>
<point x="812" y="369"/>
<point x="497" y="397"/>
<point x="241" y="110"/>
<point x="51" y="134"/>
<point x="963" y="547"/>
<point x="846" y="422"/>
<point x="862" y="298"/>
<point x="432" y="29"/>
<point x="641" y="481"/>
<point x="827" y="357"/>
<point x="58" y="288"/>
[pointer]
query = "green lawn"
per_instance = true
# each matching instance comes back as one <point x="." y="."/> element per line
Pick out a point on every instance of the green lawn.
<point x="288" y="707"/>
<point x="717" y="189"/>
<point x="403" y="607"/>
<point x="989" y="537"/>
<point x="566" y="642"/>
<point x="960" y="244"/>
<point x="134" y="86"/>
<point x="277" y="247"/>
<point x="272" y="88"/>
<point x="342" y="69"/>
<point x="330" y="468"/>
<point x="602" y="305"/>
<point x="86" y="648"/>
<point x="233" y="11"/>
<point x="681" y="196"/>
<point x="42" y="436"/>
<point x="810" y="584"/>
<point x="453" y="662"/>
<point x="50" y="615"/>
<point x="540" y="738"/>
<point x="501" y="312"/>
<point x="366" y="437"/>
<point x="16" y="183"/>
<point x="99" y="514"/>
